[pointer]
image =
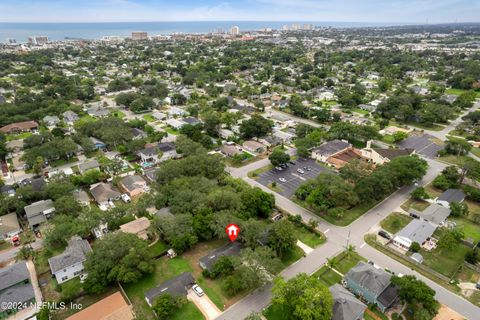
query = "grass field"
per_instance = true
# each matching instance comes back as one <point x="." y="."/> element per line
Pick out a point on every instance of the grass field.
<point x="395" y="222"/>
<point x="158" y="248"/>
<point x="149" y="118"/>
<point x="311" y="239"/>
<point x="187" y="312"/>
<point x="471" y="229"/>
<point x="19" y="136"/>
<point x="361" y="111"/>
<point x="433" y="127"/>
<point x="444" y="261"/>
<point x="254" y="174"/>
<point x="171" y="131"/>
<point x="118" y="114"/>
<point x="458" y="91"/>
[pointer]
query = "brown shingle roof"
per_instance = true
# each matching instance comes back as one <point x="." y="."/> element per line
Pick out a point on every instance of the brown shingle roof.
<point x="19" y="126"/>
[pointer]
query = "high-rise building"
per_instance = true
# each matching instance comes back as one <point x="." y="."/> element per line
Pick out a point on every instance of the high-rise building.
<point x="11" y="41"/>
<point x="308" y="26"/>
<point x="235" y="31"/>
<point x="285" y="27"/>
<point x="38" y="40"/>
<point x="295" y="26"/>
<point x="139" y="35"/>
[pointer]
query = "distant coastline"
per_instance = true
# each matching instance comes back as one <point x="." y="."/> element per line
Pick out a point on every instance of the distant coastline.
<point x="20" y="31"/>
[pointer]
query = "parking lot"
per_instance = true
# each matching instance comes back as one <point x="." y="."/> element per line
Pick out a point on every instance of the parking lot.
<point x="423" y="145"/>
<point x="293" y="179"/>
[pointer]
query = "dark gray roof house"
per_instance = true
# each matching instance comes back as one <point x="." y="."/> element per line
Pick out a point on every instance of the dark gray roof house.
<point x="89" y="165"/>
<point x="191" y="120"/>
<point x="345" y="305"/>
<point x="451" y="195"/>
<point x="331" y="147"/>
<point x="70" y="116"/>
<point x="372" y="284"/>
<point x="176" y="287"/>
<point x="231" y="249"/>
<point x="393" y="153"/>
<point x="39" y="211"/>
<point x="9" y="226"/>
<point x="103" y="192"/>
<point x="15" y="287"/>
<point x="417" y="230"/>
<point x="75" y="252"/>
<point x="434" y="213"/>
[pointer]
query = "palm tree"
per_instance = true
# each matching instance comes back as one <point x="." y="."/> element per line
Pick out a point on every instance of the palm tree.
<point x="331" y="263"/>
<point x="350" y="249"/>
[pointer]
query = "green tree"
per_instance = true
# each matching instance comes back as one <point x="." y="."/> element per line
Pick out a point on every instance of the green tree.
<point x="278" y="157"/>
<point x="420" y="194"/>
<point x="121" y="257"/>
<point x="415" y="247"/>
<point x="282" y="237"/>
<point x="165" y="305"/>
<point x="38" y="166"/>
<point x="257" y="203"/>
<point x="256" y="126"/>
<point x="450" y="239"/>
<point x="459" y="209"/>
<point x="303" y="297"/>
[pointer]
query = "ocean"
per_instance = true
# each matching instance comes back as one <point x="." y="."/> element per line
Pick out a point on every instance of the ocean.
<point x="61" y="31"/>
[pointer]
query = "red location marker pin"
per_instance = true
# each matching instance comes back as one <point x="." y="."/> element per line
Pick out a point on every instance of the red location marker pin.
<point x="232" y="231"/>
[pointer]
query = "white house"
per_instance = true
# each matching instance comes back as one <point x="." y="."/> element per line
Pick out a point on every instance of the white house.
<point x="69" y="264"/>
<point x="417" y="230"/>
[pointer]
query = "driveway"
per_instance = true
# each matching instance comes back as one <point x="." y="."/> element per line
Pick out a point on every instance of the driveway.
<point x="293" y="179"/>
<point x="204" y="304"/>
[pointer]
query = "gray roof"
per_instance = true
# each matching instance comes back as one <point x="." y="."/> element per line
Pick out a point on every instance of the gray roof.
<point x="51" y="119"/>
<point x="370" y="278"/>
<point x="331" y="147"/>
<point x="96" y="141"/>
<point x="166" y="146"/>
<point x="417" y="230"/>
<point x="417" y="257"/>
<point x="13" y="274"/>
<point x="345" y="305"/>
<point x="81" y="196"/>
<point x="70" y="115"/>
<point x="15" y="295"/>
<point x="176" y="286"/>
<point x="103" y="192"/>
<point x="35" y="211"/>
<point x="164" y="213"/>
<point x="133" y="182"/>
<point x="434" y="213"/>
<point x="388" y="296"/>
<point x="92" y="164"/>
<point x="8" y="223"/>
<point x="231" y="249"/>
<point x="75" y="252"/>
<point x="452" y="195"/>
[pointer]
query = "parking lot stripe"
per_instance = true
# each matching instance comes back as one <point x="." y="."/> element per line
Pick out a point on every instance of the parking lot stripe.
<point x="326" y="231"/>
<point x="299" y="177"/>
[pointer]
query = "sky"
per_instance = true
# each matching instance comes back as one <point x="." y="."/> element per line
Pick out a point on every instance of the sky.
<point x="395" y="11"/>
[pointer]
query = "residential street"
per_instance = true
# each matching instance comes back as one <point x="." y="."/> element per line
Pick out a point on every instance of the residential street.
<point x="337" y="240"/>
<point x="8" y="255"/>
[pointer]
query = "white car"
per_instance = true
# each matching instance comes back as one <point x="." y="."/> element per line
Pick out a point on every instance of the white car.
<point x="300" y="171"/>
<point x="198" y="290"/>
<point x="126" y="198"/>
<point x="282" y="179"/>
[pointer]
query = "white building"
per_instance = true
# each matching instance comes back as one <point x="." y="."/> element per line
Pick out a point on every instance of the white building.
<point x="235" y="31"/>
<point x="69" y="264"/>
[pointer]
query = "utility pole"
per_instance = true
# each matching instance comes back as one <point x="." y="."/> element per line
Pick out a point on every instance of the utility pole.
<point x="348" y="240"/>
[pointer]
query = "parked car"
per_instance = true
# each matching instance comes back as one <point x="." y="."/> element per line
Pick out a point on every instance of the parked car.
<point x="282" y="179"/>
<point x="198" y="290"/>
<point x="300" y="171"/>
<point x="277" y="217"/>
<point x="384" y="234"/>
<point x="126" y="198"/>
<point x="279" y="168"/>
<point x="293" y="162"/>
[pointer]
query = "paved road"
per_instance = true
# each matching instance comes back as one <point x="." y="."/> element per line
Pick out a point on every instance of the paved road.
<point x="337" y="240"/>
<point x="9" y="255"/>
<point x="272" y="111"/>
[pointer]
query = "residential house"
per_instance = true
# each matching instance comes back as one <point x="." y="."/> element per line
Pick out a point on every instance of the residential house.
<point x="177" y="286"/>
<point x="37" y="184"/>
<point x="330" y="148"/>
<point x="7" y="190"/>
<point x="253" y="146"/>
<point x="345" y="305"/>
<point x="69" y="264"/>
<point x="230" y="150"/>
<point x="18" y="127"/>
<point x="134" y="185"/>
<point x="381" y="155"/>
<point x="231" y="249"/>
<point x="150" y="174"/>
<point x="82" y="198"/>
<point x="88" y="165"/>
<point x="103" y="193"/>
<point x="98" y="144"/>
<point x="113" y="307"/>
<point x="98" y="112"/>
<point x="434" y="213"/>
<point x="372" y="285"/>
<point x="191" y="121"/>
<point x="168" y="150"/>
<point x="175" y="111"/>
<point x="366" y="107"/>
<point x="417" y="230"/>
<point x="9" y="226"/>
<point x="175" y="124"/>
<point x="15" y="147"/>
<point x="38" y="212"/>
<point x="449" y="98"/>
<point x="159" y="115"/>
<point x="51" y="121"/>
<point x="149" y="156"/>
<point x="138" y="134"/>
<point x="225" y="133"/>
<point x="70" y="117"/>
<point x="284" y="137"/>
<point x="139" y="227"/>
<point x="449" y="196"/>
<point x="16" y="289"/>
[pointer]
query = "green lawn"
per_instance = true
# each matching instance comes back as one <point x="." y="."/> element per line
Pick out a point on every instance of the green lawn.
<point x="5" y="245"/>
<point x="311" y="239"/>
<point x="165" y="269"/>
<point x="395" y="222"/>
<point x="158" y="248"/>
<point x="471" y="229"/>
<point x="118" y="114"/>
<point x="432" y="127"/>
<point x="388" y="138"/>
<point x="361" y="111"/>
<point x="458" y="91"/>
<point x="187" y="312"/>
<point x="171" y="131"/>
<point x="23" y="135"/>
<point x="149" y="118"/>
<point x="327" y="276"/>
<point x="444" y="261"/>
<point x="345" y="261"/>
